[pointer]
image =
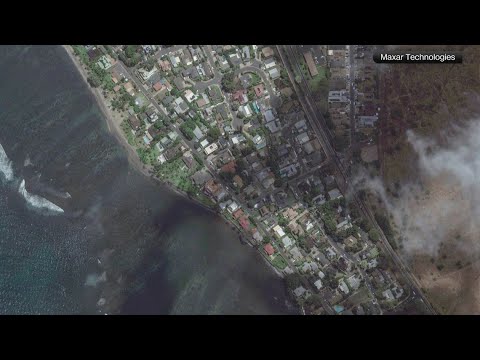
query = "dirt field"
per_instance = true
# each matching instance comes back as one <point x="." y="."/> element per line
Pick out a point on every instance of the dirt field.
<point x="440" y="234"/>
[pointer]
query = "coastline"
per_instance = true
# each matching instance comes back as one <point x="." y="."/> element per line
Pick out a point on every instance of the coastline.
<point x="116" y="130"/>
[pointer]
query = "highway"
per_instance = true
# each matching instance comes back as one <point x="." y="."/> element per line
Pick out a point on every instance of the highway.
<point x="289" y="56"/>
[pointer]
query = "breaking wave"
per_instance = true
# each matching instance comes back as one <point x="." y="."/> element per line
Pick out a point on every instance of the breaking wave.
<point x="37" y="201"/>
<point x="5" y="165"/>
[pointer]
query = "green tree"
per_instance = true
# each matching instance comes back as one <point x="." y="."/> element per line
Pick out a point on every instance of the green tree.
<point x="373" y="235"/>
<point x="213" y="134"/>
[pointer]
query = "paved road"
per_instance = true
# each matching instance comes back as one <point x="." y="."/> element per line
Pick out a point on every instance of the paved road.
<point x="259" y="225"/>
<point x="275" y="101"/>
<point x="289" y="58"/>
<point x="352" y="94"/>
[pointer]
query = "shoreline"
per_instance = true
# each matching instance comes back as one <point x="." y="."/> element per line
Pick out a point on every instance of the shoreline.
<point x="115" y="129"/>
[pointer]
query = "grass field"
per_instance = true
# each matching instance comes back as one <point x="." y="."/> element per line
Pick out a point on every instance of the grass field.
<point x="279" y="262"/>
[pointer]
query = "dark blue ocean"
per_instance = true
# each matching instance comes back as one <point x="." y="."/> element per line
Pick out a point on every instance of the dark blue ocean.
<point x="82" y="232"/>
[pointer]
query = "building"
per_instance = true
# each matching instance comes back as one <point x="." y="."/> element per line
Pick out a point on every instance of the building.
<point x="367" y="121"/>
<point x="279" y="233"/>
<point x="312" y="67"/>
<point x="269" y="250"/>
<point x="267" y="52"/>
<point x="299" y="291"/>
<point x="259" y="90"/>
<point x="210" y="148"/>
<point x="334" y="194"/>
<point x="134" y="122"/>
<point x="274" y="73"/>
<point x="201" y="177"/>
<point x="337" y="96"/>
<point x="287" y="242"/>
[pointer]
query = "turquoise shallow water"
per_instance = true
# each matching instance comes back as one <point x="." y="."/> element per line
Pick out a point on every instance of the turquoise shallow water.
<point x="120" y="243"/>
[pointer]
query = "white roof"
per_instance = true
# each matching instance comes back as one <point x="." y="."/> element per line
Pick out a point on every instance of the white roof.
<point x="318" y="284"/>
<point x="279" y="231"/>
<point x="286" y="241"/>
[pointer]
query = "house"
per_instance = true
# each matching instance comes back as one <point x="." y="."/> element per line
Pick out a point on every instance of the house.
<point x="343" y="287"/>
<point x="353" y="282"/>
<point x="237" y="180"/>
<point x="287" y="242"/>
<point x="279" y="233"/>
<point x="269" y="115"/>
<point x="179" y="83"/>
<point x="269" y="63"/>
<point x="387" y="294"/>
<point x="147" y="74"/>
<point x="235" y="59"/>
<point x="267" y="52"/>
<point x="165" y="65"/>
<point x="318" y="284"/>
<point x="207" y="69"/>
<point x="197" y="133"/>
<point x="302" y="138"/>
<point x="296" y="254"/>
<point x="244" y="223"/>
<point x="210" y="149"/>
<point x="129" y="88"/>
<point x="201" y="177"/>
<point x="215" y="190"/>
<point x="158" y="86"/>
<point x="134" y="122"/>
<point x="274" y="73"/>
<point x="189" y="95"/>
<point x="237" y="214"/>
<point x="259" y="90"/>
<point x="299" y="291"/>
<point x="105" y="62"/>
<point x="180" y="106"/>
<point x="367" y="121"/>
<point x="187" y="58"/>
<point x="204" y="101"/>
<point x="245" y="110"/>
<point x="246" y="52"/>
<point x="334" y="194"/>
<point x="310" y="63"/>
<point x="189" y="161"/>
<point x="94" y="53"/>
<point x="337" y="96"/>
<point x="257" y="236"/>
<point x="269" y="249"/>
<point x="152" y="115"/>
<point x="232" y="207"/>
<point x="229" y="167"/>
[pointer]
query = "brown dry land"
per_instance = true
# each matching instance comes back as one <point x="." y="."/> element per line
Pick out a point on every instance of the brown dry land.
<point x="430" y="99"/>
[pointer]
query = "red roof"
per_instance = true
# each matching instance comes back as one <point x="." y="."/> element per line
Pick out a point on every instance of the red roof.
<point x="259" y="90"/>
<point x="238" y="214"/>
<point x="238" y="95"/>
<point x="244" y="223"/>
<point x="229" y="167"/>
<point x="269" y="249"/>
<point x="158" y="86"/>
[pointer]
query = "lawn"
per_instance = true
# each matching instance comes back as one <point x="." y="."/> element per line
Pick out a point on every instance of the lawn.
<point x="279" y="262"/>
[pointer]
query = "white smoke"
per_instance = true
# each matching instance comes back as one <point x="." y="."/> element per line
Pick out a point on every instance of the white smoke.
<point x="447" y="208"/>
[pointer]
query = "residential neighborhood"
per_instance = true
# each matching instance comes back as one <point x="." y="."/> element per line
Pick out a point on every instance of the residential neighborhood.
<point x="224" y="126"/>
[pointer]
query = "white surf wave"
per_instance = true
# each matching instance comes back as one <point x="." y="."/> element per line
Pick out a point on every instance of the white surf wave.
<point x="37" y="201"/>
<point x="5" y="165"/>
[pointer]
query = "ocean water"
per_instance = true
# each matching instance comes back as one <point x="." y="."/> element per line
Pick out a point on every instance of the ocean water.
<point x="82" y="232"/>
